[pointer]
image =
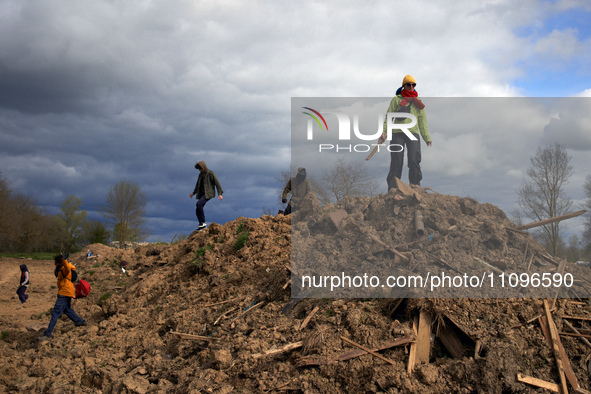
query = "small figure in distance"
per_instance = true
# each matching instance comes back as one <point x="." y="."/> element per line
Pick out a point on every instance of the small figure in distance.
<point x="24" y="284"/>
<point x="299" y="187"/>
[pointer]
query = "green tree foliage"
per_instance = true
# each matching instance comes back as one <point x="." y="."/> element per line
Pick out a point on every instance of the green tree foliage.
<point x="124" y="209"/>
<point x="542" y="195"/>
<point x="23" y="226"/>
<point x="72" y="221"/>
<point x="95" y="232"/>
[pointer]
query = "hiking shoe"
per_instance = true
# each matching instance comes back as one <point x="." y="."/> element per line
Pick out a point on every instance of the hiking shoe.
<point x="44" y="338"/>
<point x="201" y="226"/>
<point x="84" y="323"/>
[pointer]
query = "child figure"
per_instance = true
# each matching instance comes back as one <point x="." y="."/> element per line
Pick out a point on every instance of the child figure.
<point x="23" y="284"/>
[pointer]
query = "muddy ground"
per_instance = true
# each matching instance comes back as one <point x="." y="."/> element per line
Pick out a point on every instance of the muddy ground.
<point x="246" y="334"/>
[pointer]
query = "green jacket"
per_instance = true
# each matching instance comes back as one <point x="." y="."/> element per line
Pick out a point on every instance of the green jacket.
<point x="206" y="182"/>
<point x="421" y="125"/>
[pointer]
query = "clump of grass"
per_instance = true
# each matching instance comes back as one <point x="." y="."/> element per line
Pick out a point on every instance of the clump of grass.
<point x="201" y="251"/>
<point x="241" y="240"/>
<point x="199" y="254"/>
<point x="103" y="298"/>
<point x="3" y="335"/>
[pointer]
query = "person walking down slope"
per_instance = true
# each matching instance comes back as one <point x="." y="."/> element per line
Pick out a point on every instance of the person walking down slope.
<point x="299" y="187"/>
<point x="64" y="272"/>
<point x="204" y="191"/>
<point x="407" y="100"/>
<point x="24" y="284"/>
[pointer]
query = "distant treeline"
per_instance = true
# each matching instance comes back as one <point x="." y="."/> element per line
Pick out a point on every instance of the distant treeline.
<point x="24" y="227"/>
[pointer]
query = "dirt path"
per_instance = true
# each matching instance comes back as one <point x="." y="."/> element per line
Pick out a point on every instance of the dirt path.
<point x="13" y="315"/>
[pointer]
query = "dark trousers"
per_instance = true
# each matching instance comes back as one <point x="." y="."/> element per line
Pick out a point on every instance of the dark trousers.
<point x="199" y="209"/>
<point x="62" y="305"/>
<point x="21" y="294"/>
<point x="413" y="149"/>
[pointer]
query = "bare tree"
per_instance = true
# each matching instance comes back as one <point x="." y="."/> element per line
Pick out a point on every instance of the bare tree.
<point x="343" y="179"/>
<point x="125" y="208"/>
<point x="542" y="195"/>
<point x="346" y="179"/>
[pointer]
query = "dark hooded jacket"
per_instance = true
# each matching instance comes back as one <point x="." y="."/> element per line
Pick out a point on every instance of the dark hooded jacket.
<point x="298" y="186"/>
<point x="206" y="183"/>
<point x="24" y="276"/>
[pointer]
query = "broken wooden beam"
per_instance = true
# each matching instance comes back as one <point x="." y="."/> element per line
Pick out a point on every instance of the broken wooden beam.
<point x="286" y="348"/>
<point x="323" y="360"/>
<point x="193" y="337"/>
<point x="538" y="382"/>
<point x="492" y="267"/>
<point x="554" y="340"/>
<point x="385" y="245"/>
<point x="552" y="220"/>
<point x="412" y="354"/>
<point x="424" y="337"/>
<point x="455" y="338"/>
<point x="360" y="352"/>
<point x="369" y="351"/>
<point x="307" y="320"/>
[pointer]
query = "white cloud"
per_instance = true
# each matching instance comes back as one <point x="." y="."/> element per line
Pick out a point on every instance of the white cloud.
<point x="95" y="90"/>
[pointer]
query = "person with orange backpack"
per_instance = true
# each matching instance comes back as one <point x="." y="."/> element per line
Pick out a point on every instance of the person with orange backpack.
<point x="65" y="274"/>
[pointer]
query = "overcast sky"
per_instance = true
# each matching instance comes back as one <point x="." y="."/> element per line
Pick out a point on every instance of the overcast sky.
<point x="92" y="92"/>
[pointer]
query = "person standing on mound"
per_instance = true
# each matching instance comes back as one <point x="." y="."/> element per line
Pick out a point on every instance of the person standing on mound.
<point x="407" y="100"/>
<point x="205" y="191"/>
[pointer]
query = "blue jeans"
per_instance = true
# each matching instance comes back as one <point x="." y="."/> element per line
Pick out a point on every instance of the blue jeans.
<point x="21" y="294"/>
<point x="199" y="209"/>
<point x="62" y="305"/>
<point x="413" y="153"/>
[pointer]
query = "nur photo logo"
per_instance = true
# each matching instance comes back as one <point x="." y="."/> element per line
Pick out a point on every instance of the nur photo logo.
<point x="387" y="123"/>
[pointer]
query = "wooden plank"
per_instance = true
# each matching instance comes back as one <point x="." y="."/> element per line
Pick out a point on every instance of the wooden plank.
<point x="193" y="337"/>
<point x="451" y="341"/>
<point x="424" y="338"/>
<point x="538" y="382"/>
<point x="359" y="352"/>
<point x="492" y="267"/>
<point x="412" y="356"/>
<point x="573" y="329"/>
<point x="286" y="348"/>
<point x="385" y="245"/>
<point x="570" y="334"/>
<point x="586" y="318"/>
<point x="369" y="351"/>
<point x="307" y="320"/>
<point x="323" y="360"/>
<point x="554" y="346"/>
<point x="551" y="220"/>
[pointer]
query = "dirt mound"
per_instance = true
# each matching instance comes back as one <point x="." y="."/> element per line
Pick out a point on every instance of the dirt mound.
<point x="214" y="313"/>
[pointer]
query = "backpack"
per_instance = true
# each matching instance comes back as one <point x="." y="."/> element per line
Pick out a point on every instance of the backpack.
<point x="82" y="288"/>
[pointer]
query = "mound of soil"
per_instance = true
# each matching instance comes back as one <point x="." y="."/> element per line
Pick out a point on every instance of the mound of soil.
<point x="215" y="314"/>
